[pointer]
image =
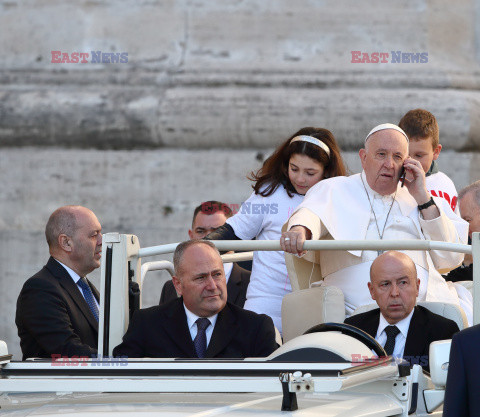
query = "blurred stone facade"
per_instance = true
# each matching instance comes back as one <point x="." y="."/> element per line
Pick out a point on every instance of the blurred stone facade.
<point x="209" y="89"/>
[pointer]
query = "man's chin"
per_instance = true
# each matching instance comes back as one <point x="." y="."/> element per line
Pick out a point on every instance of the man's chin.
<point x="386" y="187"/>
<point x="214" y="304"/>
<point x="396" y="313"/>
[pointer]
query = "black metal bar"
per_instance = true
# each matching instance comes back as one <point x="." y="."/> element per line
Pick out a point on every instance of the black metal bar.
<point x="289" y="400"/>
<point x="414" y="402"/>
<point x="107" y="295"/>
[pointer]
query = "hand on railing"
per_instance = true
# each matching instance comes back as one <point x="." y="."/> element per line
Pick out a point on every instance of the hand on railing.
<point x="293" y="240"/>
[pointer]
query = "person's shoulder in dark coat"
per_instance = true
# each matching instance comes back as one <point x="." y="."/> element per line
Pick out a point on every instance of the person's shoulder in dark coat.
<point x="437" y="325"/>
<point x="425" y="327"/>
<point x="162" y="331"/>
<point x="462" y="273"/>
<point x="463" y="384"/>
<point x="50" y="316"/>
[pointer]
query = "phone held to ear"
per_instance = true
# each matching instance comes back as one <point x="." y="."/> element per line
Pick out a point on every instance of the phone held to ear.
<point x="402" y="176"/>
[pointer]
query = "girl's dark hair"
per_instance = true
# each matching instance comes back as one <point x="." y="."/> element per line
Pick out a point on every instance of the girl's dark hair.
<point x="274" y="171"/>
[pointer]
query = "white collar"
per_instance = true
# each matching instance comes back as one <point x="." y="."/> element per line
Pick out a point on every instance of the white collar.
<point x="71" y="272"/>
<point x="402" y="325"/>
<point x="403" y="197"/>
<point x="192" y="318"/>
<point x="372" y="192"/>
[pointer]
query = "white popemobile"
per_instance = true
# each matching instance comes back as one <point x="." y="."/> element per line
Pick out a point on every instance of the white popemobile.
<point x="330" y="371"/>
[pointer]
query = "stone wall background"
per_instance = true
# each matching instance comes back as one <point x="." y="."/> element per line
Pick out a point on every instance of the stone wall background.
<point x="209" y="89"/>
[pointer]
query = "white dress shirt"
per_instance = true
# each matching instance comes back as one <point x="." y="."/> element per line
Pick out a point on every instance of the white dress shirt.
<point x="75" y="277"/>
<point x="192" y="325"/>
<point x="401" y="337"/>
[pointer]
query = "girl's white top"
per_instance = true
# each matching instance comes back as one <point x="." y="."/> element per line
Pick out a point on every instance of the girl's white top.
<point x="262" y="218"/>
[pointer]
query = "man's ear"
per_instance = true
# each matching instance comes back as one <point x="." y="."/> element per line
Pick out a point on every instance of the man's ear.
<point x="64" y="242"/>
<point x="177" y="283"/>
<point x="436" y="152"/>
<point x="418" y="285"/>
<point x="190" y="234"/>
<point x="363" y="154"/>
<point x="370" y="288"/>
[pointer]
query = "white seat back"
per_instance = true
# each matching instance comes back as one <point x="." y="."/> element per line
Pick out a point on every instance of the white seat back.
<point x="301" y="272"/>
<point x="303" y="309"/>
<point x="449" y="311"/>
<point x="278" y="337"/>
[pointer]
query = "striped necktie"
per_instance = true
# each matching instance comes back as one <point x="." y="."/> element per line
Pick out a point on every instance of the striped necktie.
<point x="200" y="341"/>
<point x="89" y="298"/>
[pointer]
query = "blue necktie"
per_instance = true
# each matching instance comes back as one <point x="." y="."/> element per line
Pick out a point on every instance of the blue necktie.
<point x="200" y="341"/>
<point x="89" y="298"/>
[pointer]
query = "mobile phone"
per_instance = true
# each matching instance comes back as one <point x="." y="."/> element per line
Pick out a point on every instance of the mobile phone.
<point x="402" y="176"/>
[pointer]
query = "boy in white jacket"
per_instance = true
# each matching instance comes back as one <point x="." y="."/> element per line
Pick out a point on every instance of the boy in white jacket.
<point x="421" y="128"/>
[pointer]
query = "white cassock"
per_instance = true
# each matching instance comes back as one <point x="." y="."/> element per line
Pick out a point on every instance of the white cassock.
<point x="338" y="208"/>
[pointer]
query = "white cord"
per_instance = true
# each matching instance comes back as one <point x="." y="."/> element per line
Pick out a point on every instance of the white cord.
<point x="311" y="275"/>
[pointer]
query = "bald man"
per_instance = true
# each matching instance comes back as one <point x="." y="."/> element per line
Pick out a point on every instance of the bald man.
<point x="405" y="330"/>
<point x="57" y="309"/>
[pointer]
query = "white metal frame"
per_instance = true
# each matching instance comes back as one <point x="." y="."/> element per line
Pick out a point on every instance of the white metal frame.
<point x="168" y="266"/>
<point x="65" y="381"/>
<point x="126" y="251"/>
<point x="188" y="385"/>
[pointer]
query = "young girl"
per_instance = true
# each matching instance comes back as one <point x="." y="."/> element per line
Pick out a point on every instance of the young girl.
<point x="307" y="157"/>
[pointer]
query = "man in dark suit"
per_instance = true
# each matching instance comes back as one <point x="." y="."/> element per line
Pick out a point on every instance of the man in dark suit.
<point x="201" y="323"/>
<point x="405" y="330"/>
<point x="57" y="309"/>
<point x="463" y="384"/>
<point x="206" y="218"/>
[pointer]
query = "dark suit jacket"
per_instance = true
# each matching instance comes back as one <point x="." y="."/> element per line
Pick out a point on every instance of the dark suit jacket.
<point x="53" y="317"/>
<point x="162" y="332"/>
<point x="463" y="384"/>
<point x="236" y="287"/>
<point x="425" y="328"/>
<point x="462" y="273"/>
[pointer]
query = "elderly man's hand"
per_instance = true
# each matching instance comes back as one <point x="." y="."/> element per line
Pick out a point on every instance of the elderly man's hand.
<point x="292" y="241"/>
<point x="416" y="185"/>
<point x="415" y="180"/>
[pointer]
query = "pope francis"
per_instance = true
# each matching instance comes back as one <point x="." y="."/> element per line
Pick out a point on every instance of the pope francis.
<point x="376" y="205"/>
